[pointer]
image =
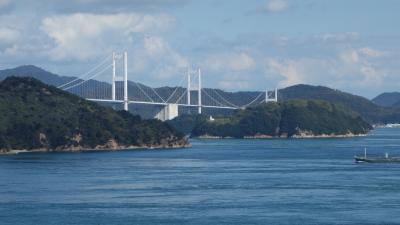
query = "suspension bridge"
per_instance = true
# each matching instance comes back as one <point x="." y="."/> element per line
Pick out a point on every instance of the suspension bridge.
<point x="119" y="92"/>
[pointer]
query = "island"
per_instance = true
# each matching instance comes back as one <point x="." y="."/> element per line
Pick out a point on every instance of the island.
<point x="40" y="117"/>
<point x="288" y="119"/>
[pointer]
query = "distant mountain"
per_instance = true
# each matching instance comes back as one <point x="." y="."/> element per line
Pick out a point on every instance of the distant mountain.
<point x="35" y="72"/>
<point x="293" y="118"/>
<point x="388" y="99"/>
<point x="36" y="116"/>
<point x="396" y="105"/>
<point x="368" y="109"/>
<point x="372" y="112"/>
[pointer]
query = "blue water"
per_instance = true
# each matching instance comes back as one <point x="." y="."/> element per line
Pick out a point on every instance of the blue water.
<point x="215" y="182"/>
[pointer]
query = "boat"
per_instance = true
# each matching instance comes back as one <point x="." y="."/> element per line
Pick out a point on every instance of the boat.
<point x="385" y="159"/>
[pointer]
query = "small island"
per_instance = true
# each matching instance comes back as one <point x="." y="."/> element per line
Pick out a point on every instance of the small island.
<point x="39" y="117"/>
<point x="289" y="119"/>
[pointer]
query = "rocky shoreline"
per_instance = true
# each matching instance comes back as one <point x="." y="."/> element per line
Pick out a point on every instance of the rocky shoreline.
<point x="302" y="135"/>
<point x="110" y="146"/>
<point x="305" y="134"/>
<point x="322" y="136"/>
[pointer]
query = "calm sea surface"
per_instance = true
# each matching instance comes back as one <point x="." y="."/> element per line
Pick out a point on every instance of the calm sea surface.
<point x="215" y="182"/>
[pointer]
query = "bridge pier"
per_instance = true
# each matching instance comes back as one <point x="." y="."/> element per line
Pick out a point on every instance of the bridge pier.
<point x="169" y="112"/>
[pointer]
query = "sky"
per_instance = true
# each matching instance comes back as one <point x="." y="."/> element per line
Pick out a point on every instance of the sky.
<point x="351" y="45"/>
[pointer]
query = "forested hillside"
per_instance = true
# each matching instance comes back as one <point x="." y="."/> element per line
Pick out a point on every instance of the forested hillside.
<point x="285" y="119"/>
<point x="37" y="116"/>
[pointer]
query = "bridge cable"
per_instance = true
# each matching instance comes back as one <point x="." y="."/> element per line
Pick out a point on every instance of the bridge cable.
<point x="176" y="89"/>
<point x="229" y="103"/>
<point x="89" y="78"/>
<point x="180" y="98"/>
<point x="216" y="101"/>
<point x="248" y="104"/>
<point x="137" y="85"/>
<point x="157" y="94"/>
<point x="85" y="74"/>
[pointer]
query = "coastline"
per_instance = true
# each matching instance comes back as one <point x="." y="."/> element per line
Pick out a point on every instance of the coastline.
<point x="98" y="148"/>
<point x="296" y="136"/>
<point x="113" y="146"/>
<point x="325" y="136"/>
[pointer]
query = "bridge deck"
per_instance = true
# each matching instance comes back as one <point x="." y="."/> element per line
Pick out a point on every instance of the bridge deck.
<point x="158" y="103"/>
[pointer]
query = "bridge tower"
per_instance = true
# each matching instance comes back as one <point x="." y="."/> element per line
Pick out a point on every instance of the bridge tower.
<point x="126" y="101"/>
<point x="115" y="78"/>
<point x="188" y="86"/>
<point x="199" y="91"/>
<point x="271" y="96"/>
<point x="198" y="88"/>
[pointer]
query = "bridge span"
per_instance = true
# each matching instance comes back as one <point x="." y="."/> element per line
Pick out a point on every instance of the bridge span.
<point x="117" y="92"/>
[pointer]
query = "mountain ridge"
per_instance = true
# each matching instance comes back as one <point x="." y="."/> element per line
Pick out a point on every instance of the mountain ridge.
<point x="388" y="99"/>
<point x="371" y="111"/>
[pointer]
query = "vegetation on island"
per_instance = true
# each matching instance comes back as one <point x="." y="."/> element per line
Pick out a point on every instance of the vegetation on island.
<point x="369" y="110"/>
<point x="284" y="119"/>
<point x="38" y="116"/>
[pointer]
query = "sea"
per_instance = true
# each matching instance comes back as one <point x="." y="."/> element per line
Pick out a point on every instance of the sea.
<point x="277" y="181"/>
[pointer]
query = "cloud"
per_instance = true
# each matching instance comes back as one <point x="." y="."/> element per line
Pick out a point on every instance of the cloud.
<point x="82" y="35"/>
<point x="276" y="6"/>
<point x="160" y="58"/>
<point x="230" y="61"/>
<point x="353" y="55"/>
<point x="82" y="39"/>
<point x="69" y="36"/>
<point x="347" y="61"/>
<point x="350" y="56"/>
<point x="4" y="3"/>
<point x="120" y="5"/>
<point x="20" y="39"/>
<point x="370" y="52"/>
<point x="290" y="70"/>
<point x="271" y="6"/>
<point x="235" y="82"/>
<point x="155" y="46"/>
<point x="349" y="69"/>
<point x="230" y="70"/>
<point x="346" y="36"/>
<point x="8" y="35"/>
<point x="91" y="6"/>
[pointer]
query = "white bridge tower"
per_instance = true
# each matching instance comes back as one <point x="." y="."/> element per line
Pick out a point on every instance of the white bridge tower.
<point x="116" y="78"/>
<point x="190" y="87"/>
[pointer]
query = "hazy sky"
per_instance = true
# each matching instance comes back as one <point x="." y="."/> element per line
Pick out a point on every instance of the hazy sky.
<point x="353" y="45"/>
